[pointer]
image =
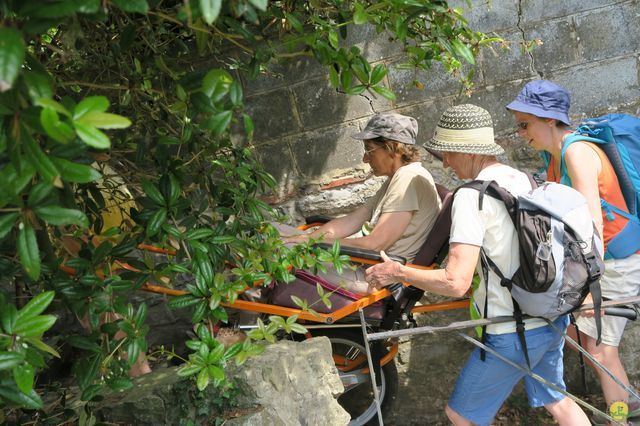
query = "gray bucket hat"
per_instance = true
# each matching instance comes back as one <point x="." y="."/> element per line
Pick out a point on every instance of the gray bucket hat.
<point x="391" y="126"/>
<point x="467" y="129"/>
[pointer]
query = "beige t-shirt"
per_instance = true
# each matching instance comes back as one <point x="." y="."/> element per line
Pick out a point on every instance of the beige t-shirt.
<point x="410" y="189"/>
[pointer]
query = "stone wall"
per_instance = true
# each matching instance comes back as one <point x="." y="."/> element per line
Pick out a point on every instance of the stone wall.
<point x="302" y="125"/>
<point x="302" y="129"/>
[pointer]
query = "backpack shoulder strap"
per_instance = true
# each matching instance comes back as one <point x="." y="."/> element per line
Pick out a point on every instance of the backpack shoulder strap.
<point x="568" y="140"/>
<point x="491" y="188"/>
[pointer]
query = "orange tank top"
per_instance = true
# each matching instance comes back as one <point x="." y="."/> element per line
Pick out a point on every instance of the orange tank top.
<point x="609" y="190"/>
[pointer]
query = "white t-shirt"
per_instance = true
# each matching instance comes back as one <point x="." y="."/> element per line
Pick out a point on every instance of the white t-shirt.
<point x="492" y="229"/>
<point x="410" y="189"/>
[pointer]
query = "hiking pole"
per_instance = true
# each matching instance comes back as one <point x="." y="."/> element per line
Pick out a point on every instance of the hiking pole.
<point x="372" y="373"/>
<point x="583" y="368"/>
<point x="459" y="325"/>
<point x="540" y="379"/>
<point x="602" y="368"/>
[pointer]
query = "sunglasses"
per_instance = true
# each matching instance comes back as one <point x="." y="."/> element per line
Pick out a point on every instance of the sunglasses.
<point x="522" y="125"/>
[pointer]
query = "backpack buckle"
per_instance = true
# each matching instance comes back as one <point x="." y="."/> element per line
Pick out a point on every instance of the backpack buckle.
<point x="593" y="267"/>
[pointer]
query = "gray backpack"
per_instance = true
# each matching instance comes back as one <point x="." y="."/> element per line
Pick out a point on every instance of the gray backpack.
<point x="560" y="263"/>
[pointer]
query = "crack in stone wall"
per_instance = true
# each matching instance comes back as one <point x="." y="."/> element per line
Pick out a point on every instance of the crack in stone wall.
<point x="525" y="46"/>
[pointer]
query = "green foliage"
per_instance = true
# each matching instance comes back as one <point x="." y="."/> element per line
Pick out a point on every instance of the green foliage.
<point x="115" y="131"/>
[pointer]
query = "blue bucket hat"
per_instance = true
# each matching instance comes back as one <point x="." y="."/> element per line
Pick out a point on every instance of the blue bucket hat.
<point x="543" y="99"/>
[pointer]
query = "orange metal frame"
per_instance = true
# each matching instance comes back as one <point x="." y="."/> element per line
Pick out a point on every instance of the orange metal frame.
<point x="328" y="318"/>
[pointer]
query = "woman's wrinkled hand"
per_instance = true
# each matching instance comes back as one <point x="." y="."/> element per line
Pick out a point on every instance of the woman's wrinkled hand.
<point x="383" y="274"/>
<point x="296" y="239"/>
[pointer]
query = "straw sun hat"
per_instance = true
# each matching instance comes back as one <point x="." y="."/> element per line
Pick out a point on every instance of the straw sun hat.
<point x="467" y="129"/>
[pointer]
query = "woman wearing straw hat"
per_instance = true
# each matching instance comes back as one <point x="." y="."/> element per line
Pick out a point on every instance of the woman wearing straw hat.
<point x="464" y="135"/>
<point x="541" y="113"/>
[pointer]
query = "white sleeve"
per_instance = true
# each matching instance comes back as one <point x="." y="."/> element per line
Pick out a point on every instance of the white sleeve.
<point x="467" y="225"/>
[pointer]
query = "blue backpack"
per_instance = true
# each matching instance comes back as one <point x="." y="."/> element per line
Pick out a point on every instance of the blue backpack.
<point x="619" y="137"/>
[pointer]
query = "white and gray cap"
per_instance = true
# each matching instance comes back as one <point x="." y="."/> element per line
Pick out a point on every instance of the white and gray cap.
<point x="391" y="126"/>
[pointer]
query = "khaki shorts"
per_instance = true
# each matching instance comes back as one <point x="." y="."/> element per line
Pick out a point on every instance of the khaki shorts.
<point x="621" y="279"/>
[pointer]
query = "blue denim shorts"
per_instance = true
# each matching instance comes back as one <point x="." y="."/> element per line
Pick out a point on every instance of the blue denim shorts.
<point x="482" y="386"/>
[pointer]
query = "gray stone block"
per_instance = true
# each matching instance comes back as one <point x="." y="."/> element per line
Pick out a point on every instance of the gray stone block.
<point x="321" y="105"/>
<point x="326" y="151"/>
<point x="434" y="83"/>
<point x="489" y="15"/>
<point x="609" y="32"/>
<point x="510" y="64"/>
<point x="601" y="87"/>
<point x="284" y="73"/>
<point x="536" y="10"/>
<point x="494" y="99"/>
<point x="427" y="114"/>
<point x="272" y="114"/>
<point x="559" y="48"/>
<point x="373" y="45"/>
<point x="276" y="159"/>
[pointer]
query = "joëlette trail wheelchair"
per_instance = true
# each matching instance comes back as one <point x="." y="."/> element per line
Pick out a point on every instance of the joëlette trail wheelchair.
<point x="391" y="308"/>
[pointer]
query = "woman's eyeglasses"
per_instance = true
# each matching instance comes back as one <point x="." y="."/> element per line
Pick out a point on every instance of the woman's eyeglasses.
<point x="368" y="152"/>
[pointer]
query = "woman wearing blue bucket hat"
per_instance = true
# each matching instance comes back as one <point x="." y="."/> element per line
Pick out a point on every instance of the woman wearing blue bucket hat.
<point x="541" y="113"/>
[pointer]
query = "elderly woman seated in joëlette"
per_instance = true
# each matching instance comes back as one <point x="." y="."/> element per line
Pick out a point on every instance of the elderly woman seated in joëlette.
<point x="399" y="216"/>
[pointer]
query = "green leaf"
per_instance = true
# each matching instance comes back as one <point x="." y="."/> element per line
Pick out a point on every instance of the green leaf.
<point x="83" y="342"/>
<point x="333" y="39"/>
<point x="56" y="129"/>
<point x="90" y="103"/>
<point x="104" y="120"/>
<point x="248" y="125"/>
<point x="260" y="4"/>
<point x="28" y="250"/>
<point x="74" y="172"/>
<point x="39" y="344"/>
<point x="30" y="401"/>
<point x="39" y="85"/>
<point x="385" y="92"/>
<point x="6" y="223"/>
<point x="463" y="51"/>
<point x="38" y="193"/>
<point x="137" y="6"/>
<point x="203" y="379"/>
<point x="298" y="328"/>
<point x="182" y="301"/>
<point x="34" y="327"/>
<point x="210" y="10"/>
<point x="378" y="73"/>
<point x="40" y="161"/>
<point x="216" y="372"/>
<point x="36" y="306"/>
<point x="219" y="122"/>
<point x="24" y="375"/>
<point x="360" y="15"/>
<point x="235" y="93"/>
<point x="92" y="136"/>
<point x="56" y="215"/>
<point x="188" y="370"/>
<point x="12" y="51"/>
<point x="91" y="392"/>
<point x="51" y="104"/>
<point x="153" y="192"/>
<point x="334" y="78"/>
<point x="10" y="359"/>
<point x="120" y="384"/>
<point x="156" y="221"/>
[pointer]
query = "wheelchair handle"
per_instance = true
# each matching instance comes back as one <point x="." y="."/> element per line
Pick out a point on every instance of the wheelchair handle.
<point x="627" y="313"/>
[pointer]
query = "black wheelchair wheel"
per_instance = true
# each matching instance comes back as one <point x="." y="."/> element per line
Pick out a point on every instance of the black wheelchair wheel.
<point x="358" y="400"/>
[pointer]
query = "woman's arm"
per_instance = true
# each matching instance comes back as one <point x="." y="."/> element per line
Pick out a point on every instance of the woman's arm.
<point x="338" y="228"/>
<point x="584" y="166"/>
<point x="387" y="231"/>
<point x="454" y="280"/>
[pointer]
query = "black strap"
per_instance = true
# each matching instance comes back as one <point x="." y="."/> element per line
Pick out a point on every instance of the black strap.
<point x="517" y="313"/>
<point x="596" y="294"/>
<point x="583" y="370"/>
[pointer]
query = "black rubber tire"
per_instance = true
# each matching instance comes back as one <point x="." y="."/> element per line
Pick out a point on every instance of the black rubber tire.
<point x="352" y="401"/>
